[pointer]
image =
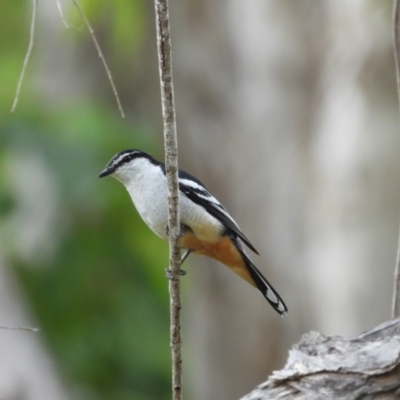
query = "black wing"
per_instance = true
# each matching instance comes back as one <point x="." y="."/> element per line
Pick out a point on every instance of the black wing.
<point x="197" y="192"/>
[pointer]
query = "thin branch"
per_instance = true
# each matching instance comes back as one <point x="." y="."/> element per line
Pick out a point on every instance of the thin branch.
<point x="396" y="39"/>
<point x="27" y="56"/>
<point x="20" y="328"/>
<point x="102" y="58"/>
<point x="171" y="165"/>
<point x="60" y="11"/>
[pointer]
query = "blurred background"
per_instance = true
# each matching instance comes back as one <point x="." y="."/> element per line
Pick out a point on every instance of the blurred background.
<point x="288" y="113"/>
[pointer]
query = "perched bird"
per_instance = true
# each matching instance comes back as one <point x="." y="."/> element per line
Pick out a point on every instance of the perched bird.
<point x="206" y="226"/>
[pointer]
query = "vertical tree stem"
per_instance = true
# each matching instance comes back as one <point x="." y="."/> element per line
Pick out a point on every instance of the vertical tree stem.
<point x="396" y="40"/>
<point x="171" y="164"/>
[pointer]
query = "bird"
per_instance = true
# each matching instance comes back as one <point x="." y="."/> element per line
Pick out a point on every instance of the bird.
<point x="206" y="226"/>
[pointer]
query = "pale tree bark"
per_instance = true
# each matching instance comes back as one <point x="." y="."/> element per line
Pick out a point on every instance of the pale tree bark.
<point x="322" y="368"/>
<point x="250" y="117"/>
<point x="348" y="252"/>
<point x="289" y="118"/>
<point x="396" y="45"/>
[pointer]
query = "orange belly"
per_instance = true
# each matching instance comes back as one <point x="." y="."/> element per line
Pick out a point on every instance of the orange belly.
<point x="223" y="251"/>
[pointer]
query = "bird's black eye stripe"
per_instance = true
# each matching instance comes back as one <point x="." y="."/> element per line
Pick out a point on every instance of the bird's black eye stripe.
<point x="125" y="159"/>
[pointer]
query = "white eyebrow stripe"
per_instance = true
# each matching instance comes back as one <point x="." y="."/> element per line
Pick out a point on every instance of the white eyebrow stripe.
<point x="116" y="161"/>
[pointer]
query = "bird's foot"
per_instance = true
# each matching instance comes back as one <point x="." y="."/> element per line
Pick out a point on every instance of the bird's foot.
<point x="183" y="228"/>
<point x="168" y="273"/>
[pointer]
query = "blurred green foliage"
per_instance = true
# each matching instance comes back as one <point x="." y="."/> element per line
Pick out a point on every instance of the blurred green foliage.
<point x="124" y="21"/>
<point x="99" y="292"/>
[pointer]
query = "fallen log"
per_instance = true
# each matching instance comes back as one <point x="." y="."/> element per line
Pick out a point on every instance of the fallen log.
<point x="333" y="367"/>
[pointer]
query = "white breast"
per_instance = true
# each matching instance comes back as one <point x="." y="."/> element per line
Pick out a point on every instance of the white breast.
<point x="147" y="187"/>
<point x="149" y="195"/>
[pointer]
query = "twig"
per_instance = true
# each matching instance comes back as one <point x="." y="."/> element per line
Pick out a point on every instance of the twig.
<point x="20" y="328"/>
<point x="102" y="58"/>
<point x="171" y="163"/>
<point x="396" y="39"/>
<point x="60" y="11"/>
<point x="27" y="56"/>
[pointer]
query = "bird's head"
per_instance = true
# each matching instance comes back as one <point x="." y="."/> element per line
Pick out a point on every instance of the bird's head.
<point x="126" y="164"/>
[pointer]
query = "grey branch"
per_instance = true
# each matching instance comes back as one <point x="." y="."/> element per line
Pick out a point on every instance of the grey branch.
<point x="101" y="56"/>
<point x="321" y="367"/>
<point x="20" y="328"/>
<point x="27" y="56"/>
<point x="171" y="166"/>
<point x="396" y="40"/>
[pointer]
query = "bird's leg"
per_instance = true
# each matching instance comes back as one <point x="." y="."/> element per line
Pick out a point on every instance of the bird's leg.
<point x="183" y="228"/>
<point x="182" y="272"/>
<point x="184" y="257"/>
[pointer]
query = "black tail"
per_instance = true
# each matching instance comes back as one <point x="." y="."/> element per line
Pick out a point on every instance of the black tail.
<point x="264" y="286"/>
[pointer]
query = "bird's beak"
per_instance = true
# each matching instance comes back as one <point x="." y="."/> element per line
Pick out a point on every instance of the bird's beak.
<point x="106" y="171"/>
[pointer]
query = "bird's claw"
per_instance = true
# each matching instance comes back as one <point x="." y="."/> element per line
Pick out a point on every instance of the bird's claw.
<point x="181" y="232"/>
<point x="168" y="273"/>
